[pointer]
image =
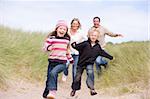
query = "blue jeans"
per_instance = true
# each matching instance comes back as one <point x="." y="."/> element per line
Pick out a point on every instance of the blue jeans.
<point x="76" y="85"/>
<point x="66" y="69"/>
<point x="74" y="66"/>
<point x="100" y="61"/>
<point x="52" y="74"/>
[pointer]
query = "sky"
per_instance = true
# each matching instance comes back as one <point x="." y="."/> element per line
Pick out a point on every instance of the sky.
<point x="127" y="17"/>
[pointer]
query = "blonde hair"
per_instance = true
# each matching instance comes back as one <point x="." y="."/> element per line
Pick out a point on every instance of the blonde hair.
<point x="92" y="31"/>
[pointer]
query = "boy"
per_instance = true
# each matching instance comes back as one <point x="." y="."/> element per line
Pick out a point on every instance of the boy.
<point x="88" y="52"/>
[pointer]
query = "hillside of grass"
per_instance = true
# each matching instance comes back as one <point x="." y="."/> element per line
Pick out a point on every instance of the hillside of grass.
<point x="21" y="57"/>
<point x="129" y="71"/>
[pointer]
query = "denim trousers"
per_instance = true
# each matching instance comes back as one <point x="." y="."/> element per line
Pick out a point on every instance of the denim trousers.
<point x="76" y="85"/>
<point x="74" y="66"/>
<point x="54" y="69"/>
<point x="100" y="61"/>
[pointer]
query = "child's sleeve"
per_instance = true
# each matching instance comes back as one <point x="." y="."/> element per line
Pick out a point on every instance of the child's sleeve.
<point x="70" y="58"/>
<point x="79" y="46"/>
<point x="104" y="54"/>
<point x="47" y="44"/>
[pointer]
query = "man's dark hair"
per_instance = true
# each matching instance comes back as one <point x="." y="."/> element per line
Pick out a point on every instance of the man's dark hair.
<point x="97" y="18"/>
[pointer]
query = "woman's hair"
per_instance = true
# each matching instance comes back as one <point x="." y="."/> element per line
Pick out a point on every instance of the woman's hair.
<point x="76" y="19"/>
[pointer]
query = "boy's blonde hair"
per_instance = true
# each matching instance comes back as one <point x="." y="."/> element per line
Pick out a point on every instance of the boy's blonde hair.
<point x="92" y="31"/>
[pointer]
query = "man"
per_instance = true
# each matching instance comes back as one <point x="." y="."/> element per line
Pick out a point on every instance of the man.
<point x="100" y="61"/>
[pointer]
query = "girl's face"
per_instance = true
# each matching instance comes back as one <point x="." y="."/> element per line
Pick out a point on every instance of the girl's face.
<point x="94" y="36"/>
<point x="61" y="31"/>
<point x="75" y="25"/>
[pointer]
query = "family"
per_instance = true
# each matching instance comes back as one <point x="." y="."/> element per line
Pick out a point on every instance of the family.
<point x="70" y="46"/>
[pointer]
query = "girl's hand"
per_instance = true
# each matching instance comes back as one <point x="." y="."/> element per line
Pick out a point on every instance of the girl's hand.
<point x="71" y="62"/>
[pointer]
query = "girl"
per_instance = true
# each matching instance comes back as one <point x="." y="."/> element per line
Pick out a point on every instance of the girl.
<point x="57" y="43"/>
<point x="76" y="36"/>
<point x="88" y="52"/>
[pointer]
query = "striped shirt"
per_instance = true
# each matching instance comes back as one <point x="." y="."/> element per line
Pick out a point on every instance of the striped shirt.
<point x="57" y="47"/>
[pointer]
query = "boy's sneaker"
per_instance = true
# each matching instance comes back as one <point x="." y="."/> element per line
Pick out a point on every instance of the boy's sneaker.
<point x="73" y="92"/>
<point x="93" y="92"/>
<point x="64" y="78"/>
<point x="105" y="65"/>
<point x="51" y="94"/>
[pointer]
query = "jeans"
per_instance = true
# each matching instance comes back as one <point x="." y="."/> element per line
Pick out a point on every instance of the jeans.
<point x="54" y="69"/>
<point x="74" y="66"/>
<point x="100" y="61"/>
<point x="76" y="85"/>
<point x="66" y="69"/>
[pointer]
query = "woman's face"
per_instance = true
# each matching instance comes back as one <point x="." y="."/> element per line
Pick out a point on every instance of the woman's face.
<point x="61" y="31"/>
<point x="75" y="25"/>
<point x="94" y="36"/>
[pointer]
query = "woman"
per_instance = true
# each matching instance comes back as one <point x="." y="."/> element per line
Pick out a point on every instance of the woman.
<point x="76" y="36"/>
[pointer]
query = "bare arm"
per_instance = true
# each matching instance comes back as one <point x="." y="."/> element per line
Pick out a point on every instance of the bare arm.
<point x="107" y="32"/>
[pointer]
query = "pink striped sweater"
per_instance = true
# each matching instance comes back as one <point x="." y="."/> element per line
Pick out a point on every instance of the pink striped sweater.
<point x="58" y="49"/>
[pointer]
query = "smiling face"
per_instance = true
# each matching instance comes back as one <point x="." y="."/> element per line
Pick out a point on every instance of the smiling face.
<point x="75" y="25"/>
<point x="94" y="36"/>
<point x="61" y="31"/>
<point x="96" y="22"/>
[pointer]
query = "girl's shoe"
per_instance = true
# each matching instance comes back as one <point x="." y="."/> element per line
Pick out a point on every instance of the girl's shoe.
<point x="93" y="92"/>
<point x="51" y="94"/>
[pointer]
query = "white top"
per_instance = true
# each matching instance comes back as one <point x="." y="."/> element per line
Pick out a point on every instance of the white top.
<point x="78" y="38"/>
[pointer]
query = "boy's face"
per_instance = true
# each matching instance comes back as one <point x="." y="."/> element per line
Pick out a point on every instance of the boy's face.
<point x="94" y="36"/>
<point x="61" y="31"/>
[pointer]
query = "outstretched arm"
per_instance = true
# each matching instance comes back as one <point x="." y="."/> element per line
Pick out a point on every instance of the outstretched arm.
<point x="104" y="54"/>
<point x="107" y="32"/>
<point x="79" y="46"/>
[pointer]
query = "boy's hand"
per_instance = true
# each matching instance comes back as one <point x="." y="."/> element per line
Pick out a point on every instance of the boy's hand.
<point x="73" y="44"/>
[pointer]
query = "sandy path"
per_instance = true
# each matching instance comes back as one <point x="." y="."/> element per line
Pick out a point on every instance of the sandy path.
<point x="24" y="90"/>
<point x="20" y="89"/>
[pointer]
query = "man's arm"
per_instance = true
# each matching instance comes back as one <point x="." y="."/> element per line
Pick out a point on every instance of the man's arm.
<point x="107" y="32"/>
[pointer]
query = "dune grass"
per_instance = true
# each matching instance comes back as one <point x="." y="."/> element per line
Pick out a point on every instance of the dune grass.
<point x="130" y="66"/>
<point x="21" y="57"/>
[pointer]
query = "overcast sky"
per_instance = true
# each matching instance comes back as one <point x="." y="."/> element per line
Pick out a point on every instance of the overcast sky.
<point x="128" y="17"/>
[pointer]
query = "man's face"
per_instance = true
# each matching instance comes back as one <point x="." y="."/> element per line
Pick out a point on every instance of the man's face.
<point x="96" y="22"/>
